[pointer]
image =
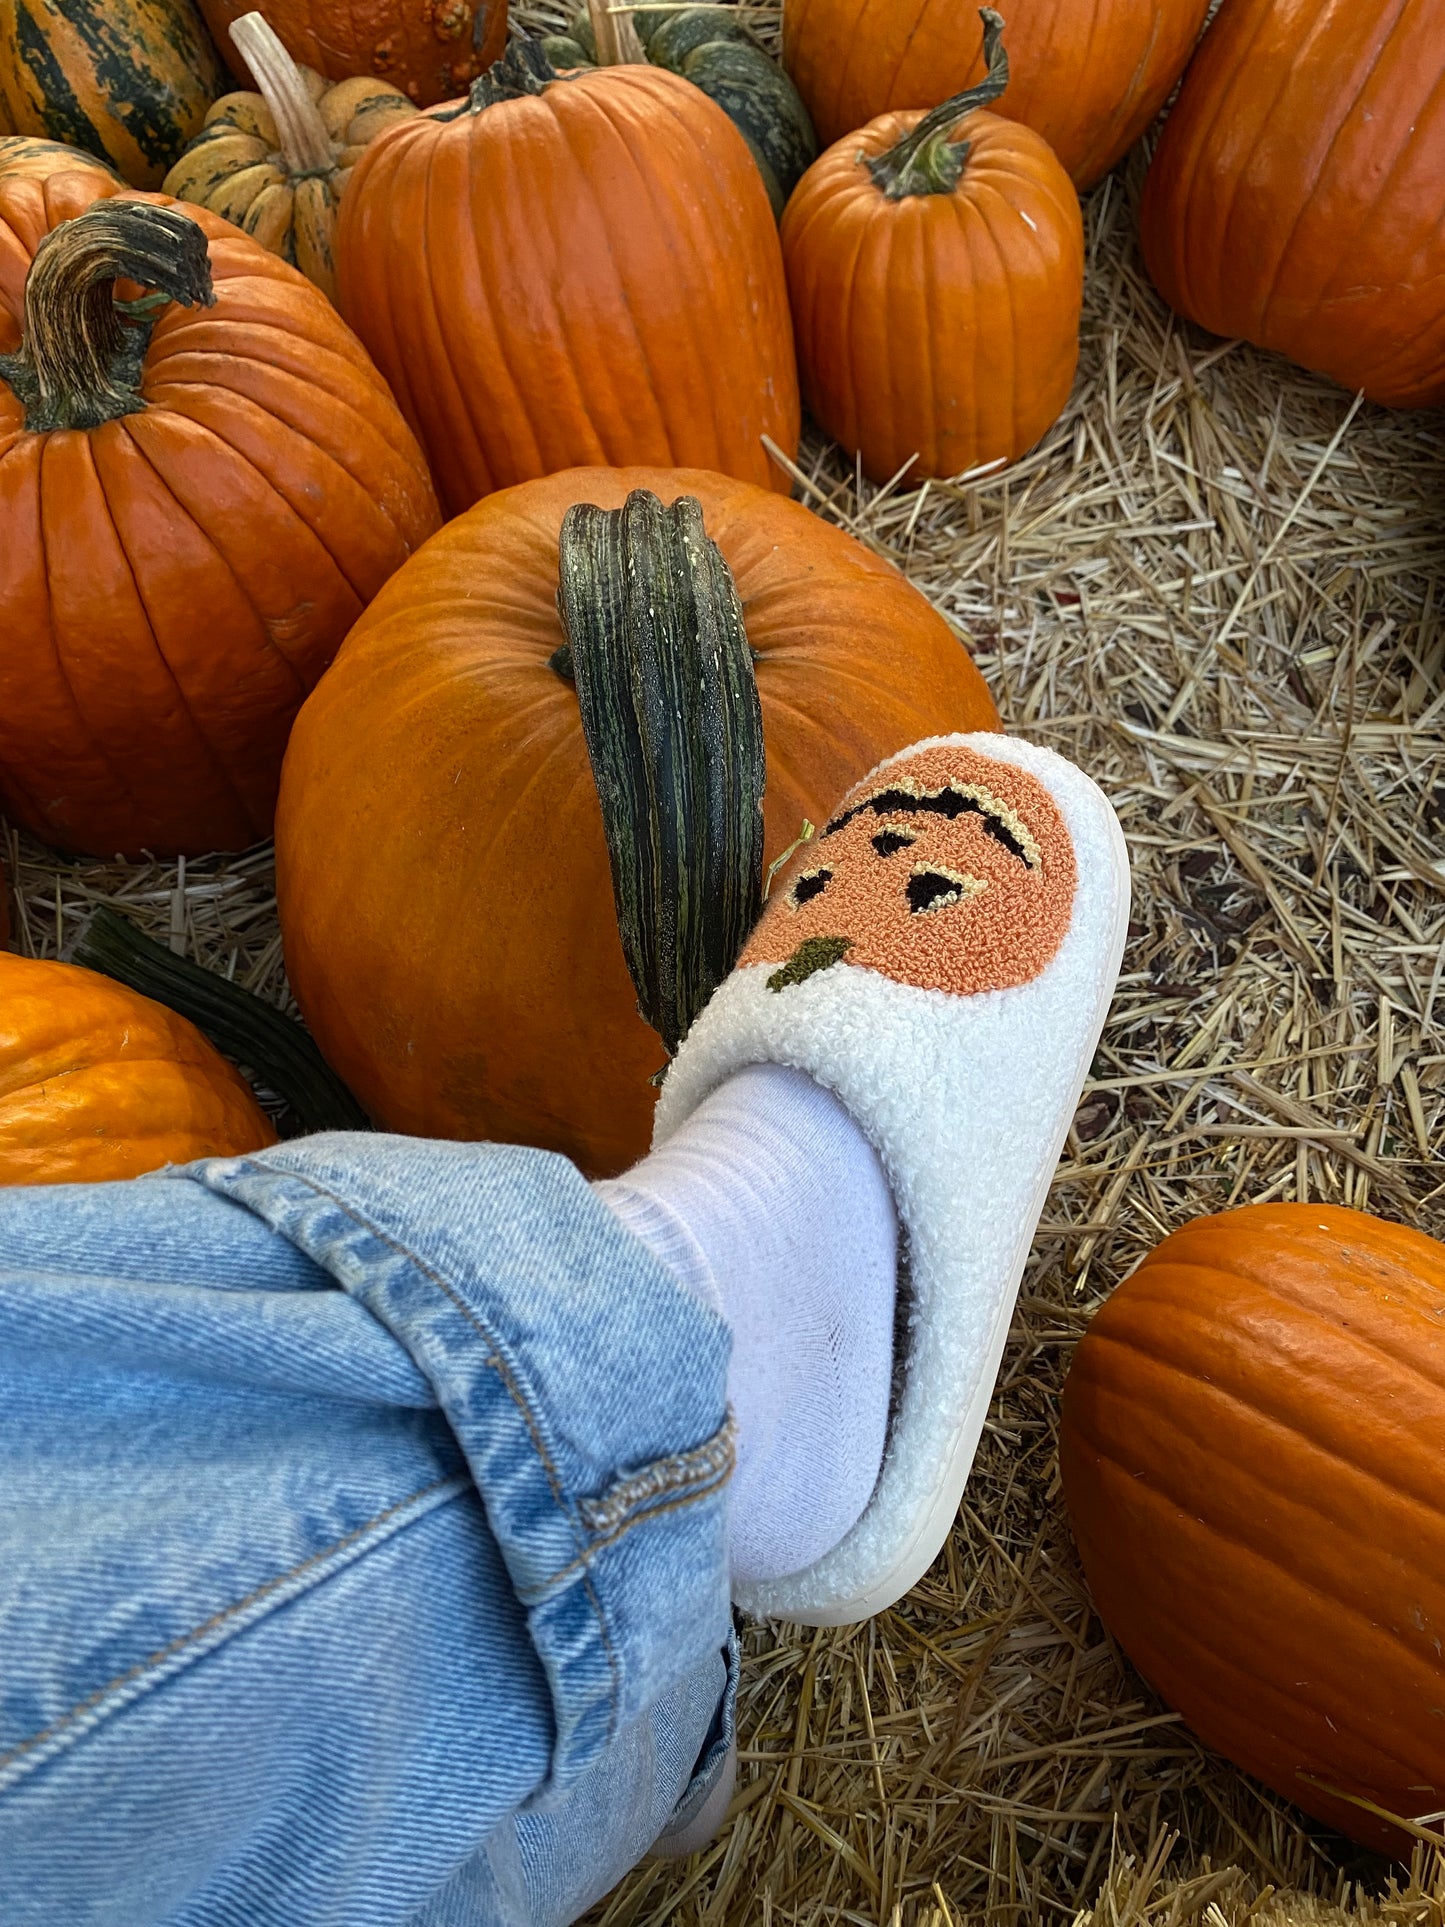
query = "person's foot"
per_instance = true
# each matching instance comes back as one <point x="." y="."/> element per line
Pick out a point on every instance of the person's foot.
<point x="772" y="1206"/>
<point x="941" y="959"/>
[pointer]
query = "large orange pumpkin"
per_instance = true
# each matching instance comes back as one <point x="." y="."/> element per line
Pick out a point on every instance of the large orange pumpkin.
<point x="195" y="505"/>
<point x="1089" y="75"/>
<point x="936" y="270"/>
<point x="1251" y="1453"/>
<point x="99" y="1083"/>
<point x="442" y="871"/>
<point x="1295" y="197"/>
<point x="566" y="271"/>
<point x="431" y="49"/>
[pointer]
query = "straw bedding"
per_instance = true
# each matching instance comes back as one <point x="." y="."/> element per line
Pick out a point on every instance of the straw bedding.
<point x="1218" y="587"/>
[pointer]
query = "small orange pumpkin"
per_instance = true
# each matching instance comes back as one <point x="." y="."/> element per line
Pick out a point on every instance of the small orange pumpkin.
<point x="1250" y="1453"/>
<point x="935" y="266"/>
<point x="559" y="271"/>
<point x="99" y="1083"/>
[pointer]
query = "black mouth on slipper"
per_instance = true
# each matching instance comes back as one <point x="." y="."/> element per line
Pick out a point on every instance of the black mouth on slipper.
<point x="812" y="955"/>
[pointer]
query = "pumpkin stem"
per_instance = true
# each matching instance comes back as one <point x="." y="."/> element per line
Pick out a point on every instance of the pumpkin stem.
<point x="306" y="147"/>
<point x="523" y="69"/>
<point x="82" y="352"/>
<point x="927" y="161"/>
<point x="240" y="1025"/>
<point x="618" y="41"/>
<point x="674" y="732"/>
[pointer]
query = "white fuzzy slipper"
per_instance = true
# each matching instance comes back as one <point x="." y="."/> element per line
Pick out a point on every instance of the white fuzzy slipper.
<point x="941" y="957"/>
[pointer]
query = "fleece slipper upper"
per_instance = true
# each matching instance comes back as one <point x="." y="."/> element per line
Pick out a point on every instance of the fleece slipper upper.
<point x="942" y="958"/>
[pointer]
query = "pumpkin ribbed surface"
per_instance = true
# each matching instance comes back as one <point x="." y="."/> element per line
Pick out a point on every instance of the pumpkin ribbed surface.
<point x="587" y="274"/>
<point x="443" y="873"/>
<point x="128" y="79"/>
<point x="97" y="1083"/>
<point x="176" y="580"/>
<point x="712" y="47"/>
<point x="430" y="49"/>
<point x="1089" y="75"/>
<point x="943" y="328"/>
<point x="1250" y="1451"/>
<point x="1296" y="193"/>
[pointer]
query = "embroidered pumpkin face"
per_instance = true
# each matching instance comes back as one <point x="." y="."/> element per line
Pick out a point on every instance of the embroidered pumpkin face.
<point x="947" y="870"/>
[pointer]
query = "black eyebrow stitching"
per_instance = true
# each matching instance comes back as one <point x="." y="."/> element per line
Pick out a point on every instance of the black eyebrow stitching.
<point x="890" y="841"/>
<point x="949" y="802"/>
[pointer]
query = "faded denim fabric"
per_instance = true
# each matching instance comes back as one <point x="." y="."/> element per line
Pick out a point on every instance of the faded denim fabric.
<point x="362" y="1543"/>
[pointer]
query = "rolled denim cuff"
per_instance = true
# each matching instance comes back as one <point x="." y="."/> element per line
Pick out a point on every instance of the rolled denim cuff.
<point x="586" y="1388"/>
<point x="704" y="1806"/>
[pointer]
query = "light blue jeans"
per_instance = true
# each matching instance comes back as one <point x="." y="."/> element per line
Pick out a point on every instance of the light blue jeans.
<point x="362" y="1543"/>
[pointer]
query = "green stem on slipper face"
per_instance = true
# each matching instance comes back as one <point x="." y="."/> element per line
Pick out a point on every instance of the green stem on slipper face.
<point x="927" y="161"/>
<point x="239" y="1024"/>
<point x="82" y="352"/>
<point x="674" y="731"/>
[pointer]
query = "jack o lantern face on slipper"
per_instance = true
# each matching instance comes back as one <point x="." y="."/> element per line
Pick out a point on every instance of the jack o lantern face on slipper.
<point x="948" y="870"/>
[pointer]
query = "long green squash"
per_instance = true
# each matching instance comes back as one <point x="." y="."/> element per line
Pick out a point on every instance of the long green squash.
<point x="129" y="80"/>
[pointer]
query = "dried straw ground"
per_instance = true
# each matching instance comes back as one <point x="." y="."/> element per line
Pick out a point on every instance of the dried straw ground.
<point x="1217" y="586"/>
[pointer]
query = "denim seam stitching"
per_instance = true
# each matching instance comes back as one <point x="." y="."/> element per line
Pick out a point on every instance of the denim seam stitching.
<point x="153" y="1661"/>
<point x="619" y="1532"/>
<point x="498" y="1364"/>
<point x="679" y="1471"/>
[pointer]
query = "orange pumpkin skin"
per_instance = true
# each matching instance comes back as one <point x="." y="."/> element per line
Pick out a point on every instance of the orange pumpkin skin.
<point x="1294" y="199"/>
<point x="589" y="275"/>
<point x="941" y="326"/>
<point x="442" y="871"/>
<point x="1089" y="75"/>
<point x="430" y="49"/>
<point x="99" y="1083"/>
<point x="1250" y="1453"/>
<point x="175" y="581"/>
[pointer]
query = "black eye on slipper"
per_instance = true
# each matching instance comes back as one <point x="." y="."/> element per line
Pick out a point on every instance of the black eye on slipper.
<point x="812" y="883"/>
<point x="937" y="889"/>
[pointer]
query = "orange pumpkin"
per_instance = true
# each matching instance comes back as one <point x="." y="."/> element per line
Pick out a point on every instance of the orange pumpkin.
<point x="99" y="1083"/>
<point x="195" y="505"/>
<point x="1251" y="1458"/>
<point x="431" y="49"/>
<point x="572" y="271"/>
<point x="1089" y="75"/>
<point x="936" y="270"/>
<point x="1295" y="195"/>
<point x="443" y="876"/>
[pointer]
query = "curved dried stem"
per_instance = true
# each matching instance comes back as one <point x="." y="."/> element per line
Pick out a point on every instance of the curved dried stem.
<point x="929" y="161"/>
<point x="82" y="351"/>
<point x="306" y="147"/>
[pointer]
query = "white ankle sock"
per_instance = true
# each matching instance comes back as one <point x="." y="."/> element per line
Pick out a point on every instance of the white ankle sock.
<point x="771" y="1206"/>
